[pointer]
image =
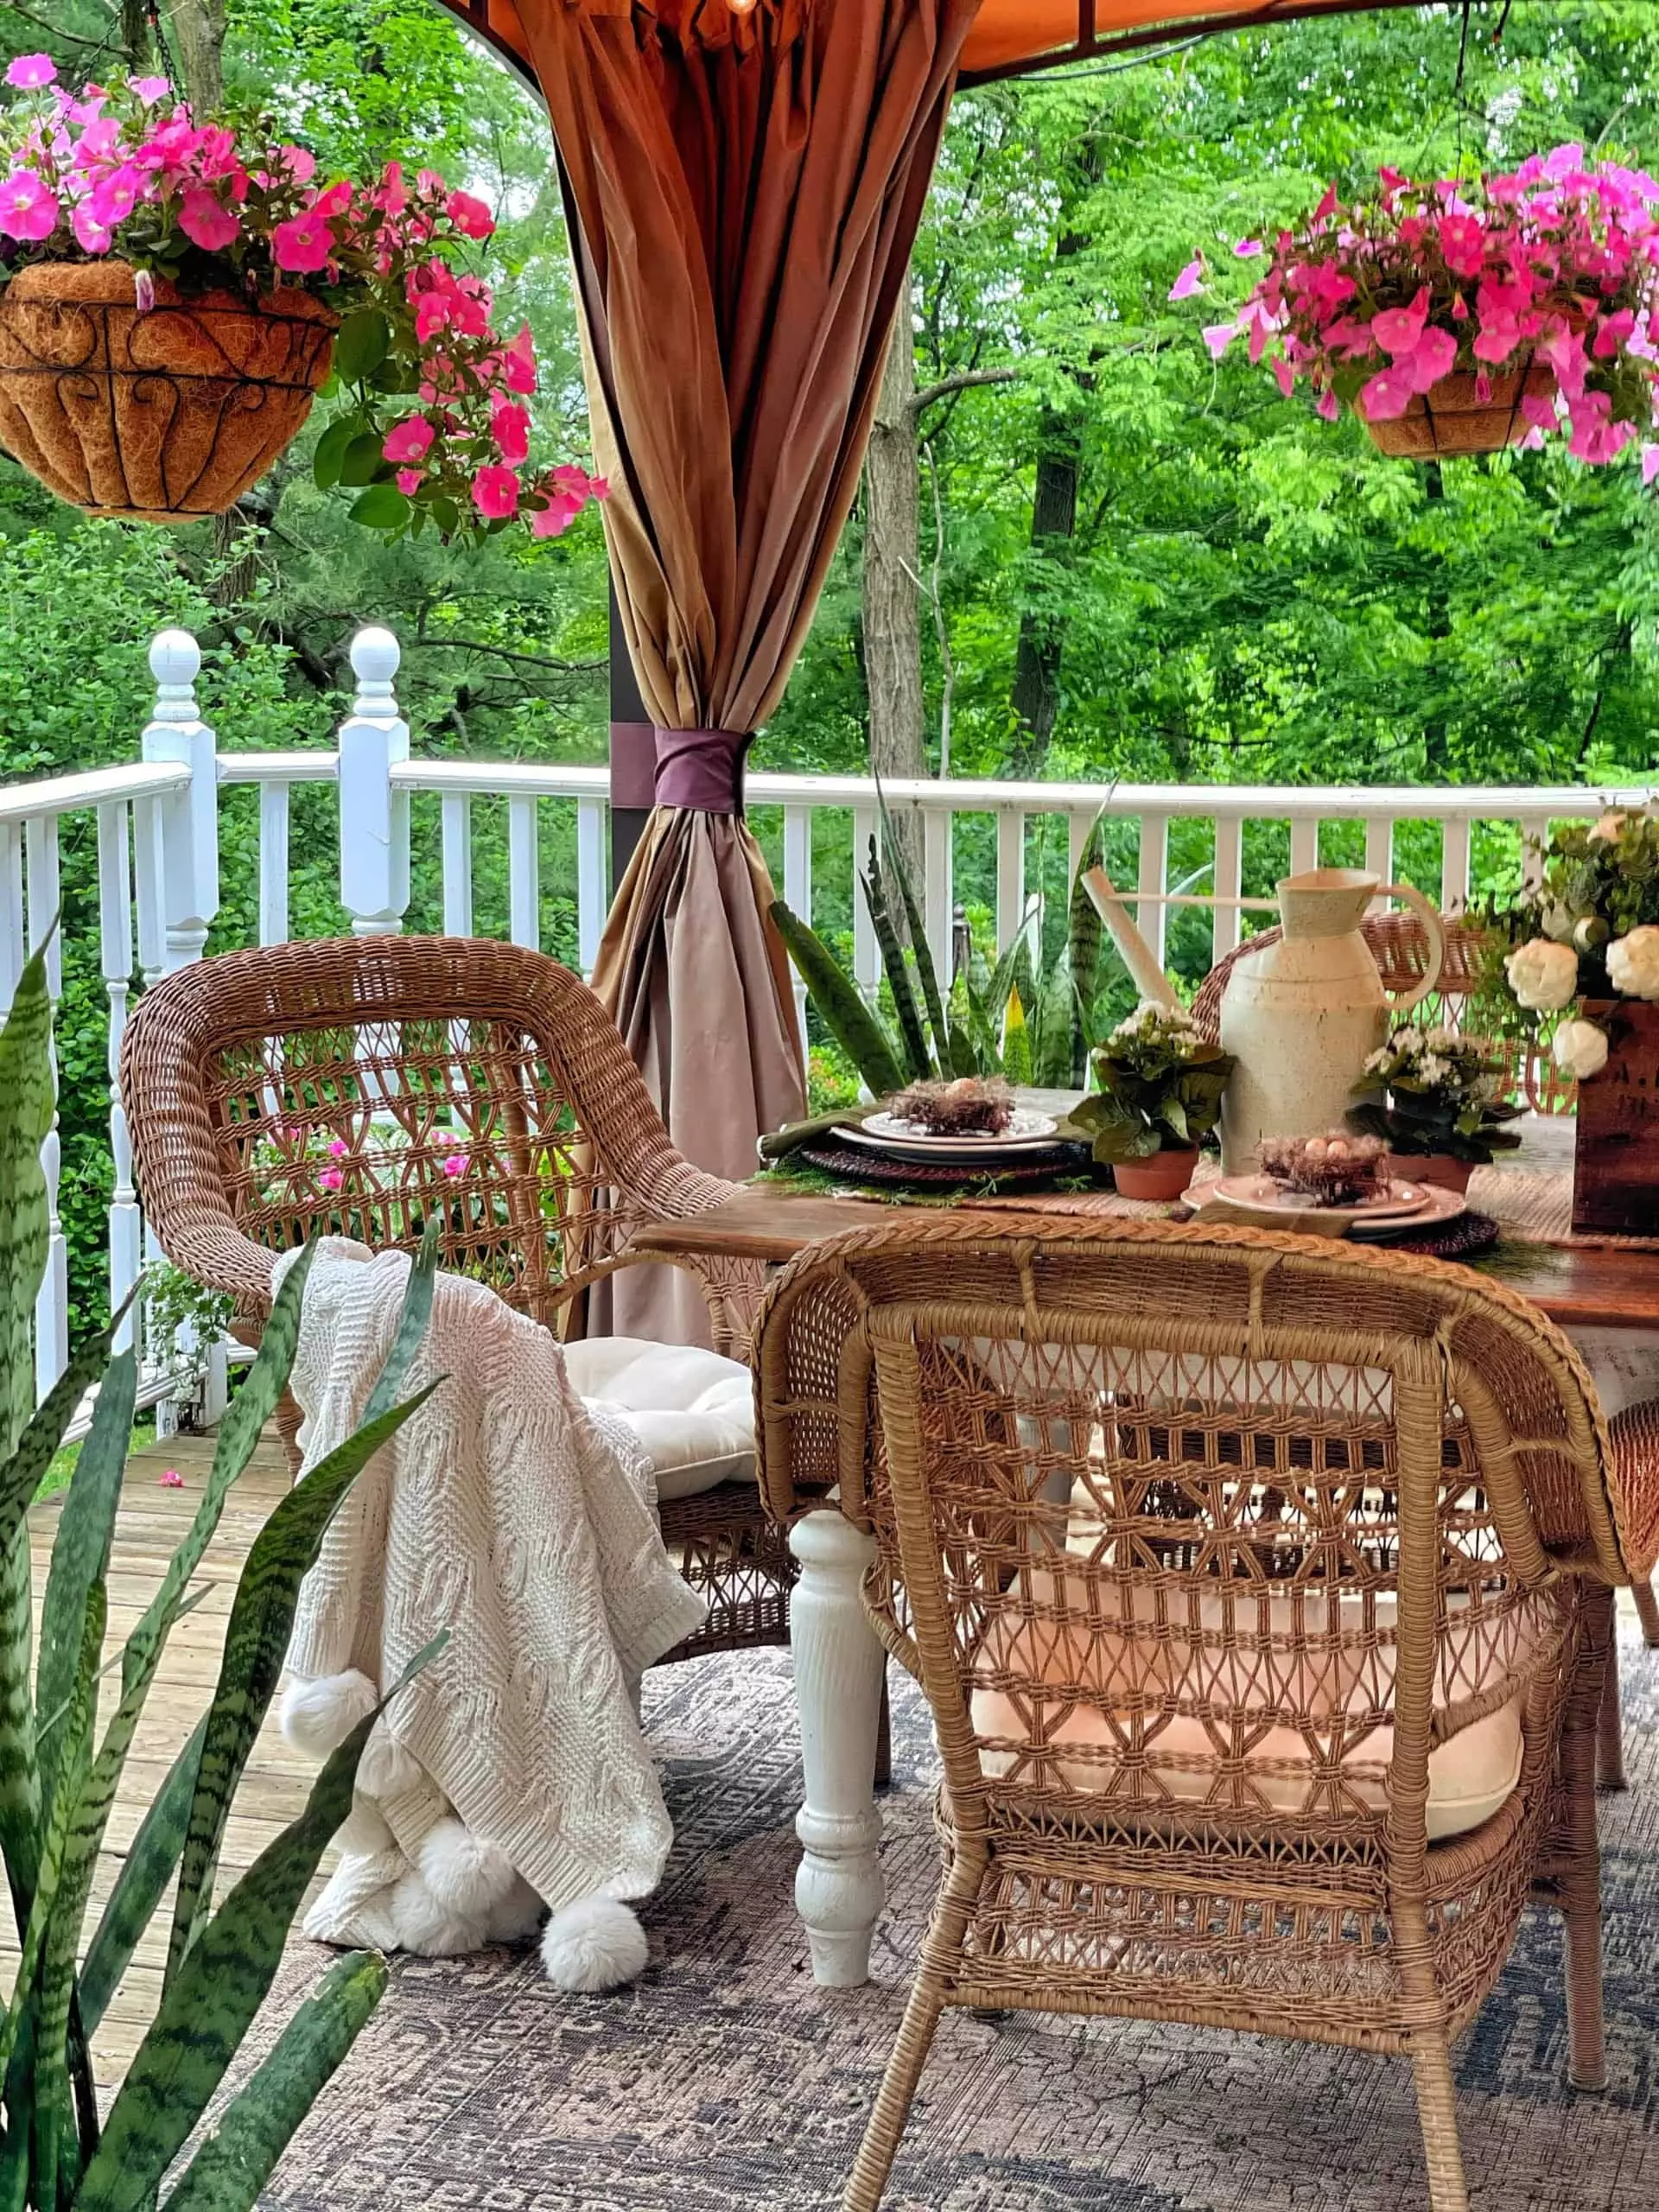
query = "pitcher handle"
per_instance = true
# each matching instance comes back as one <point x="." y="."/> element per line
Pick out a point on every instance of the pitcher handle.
<point x="1430" y="917"/>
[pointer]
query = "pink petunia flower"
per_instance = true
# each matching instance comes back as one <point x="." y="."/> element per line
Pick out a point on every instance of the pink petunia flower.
<point x="1388" y="394"/>
<point x="203" y="222"/>
<point x="470" y="217"/>
<point x="557" y="517"/>
<point x="1462" y="243"/>
<point x="456" y="1163"/>
<point x="28" y="208"/>
<point x="409" y="480"/>
<point x="410" y="440"/>
<point x="337" y="1149"/>
<point x="509" y="425"/>
<point x="1247" y="249"/>
<point x="170" y="1478"/>
<point x="150" y="89"/>
<point x="431" y="315"/>
<point x="1191" y="280"/>
<point x="519" y="361"/>
<point x="1327" y="205"/>
<point x="495" y="493"/>
<point x="1285" y="376"/>
<point x="91" y="235"/>
<point x="29" y="72"/>
<point x="1328" y="406"/>
<point x="1218" y="336"/>
<point x="1398" y="330"/>
<point x="302" y="245"/>
<point x="1649" y="464"/>
<point x="115" y="196"/>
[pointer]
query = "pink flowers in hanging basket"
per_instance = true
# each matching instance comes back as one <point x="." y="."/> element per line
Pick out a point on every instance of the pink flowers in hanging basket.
<point x="1532" y="295"/>
<point x="429" y="429"/>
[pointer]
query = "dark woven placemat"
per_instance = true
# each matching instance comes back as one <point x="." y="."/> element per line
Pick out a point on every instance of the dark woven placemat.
<point x="877" y="1169"/>
<point x="1471" y="1234"/>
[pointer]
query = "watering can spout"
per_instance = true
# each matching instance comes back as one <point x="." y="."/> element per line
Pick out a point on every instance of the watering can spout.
<point x="1147" y="976"/>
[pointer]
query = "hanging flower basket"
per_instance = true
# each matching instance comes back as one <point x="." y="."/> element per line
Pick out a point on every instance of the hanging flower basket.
<point x="1465" y="315"/>
<point x="159" y="416"/>
<point x="1464" y="414"/>
<point x="173" y="293"/>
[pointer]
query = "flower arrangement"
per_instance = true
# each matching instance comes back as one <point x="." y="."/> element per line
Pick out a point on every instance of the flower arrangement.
<point x="1590" y="931"/>
<point x="430" y="425"/>
<point x="1159" y="1087"/>
<point x="1434" y="1093"/>
<point x="1554" y="266"/>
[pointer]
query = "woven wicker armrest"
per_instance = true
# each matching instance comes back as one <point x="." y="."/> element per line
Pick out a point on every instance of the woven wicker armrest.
<point x="1633" y="1480"/>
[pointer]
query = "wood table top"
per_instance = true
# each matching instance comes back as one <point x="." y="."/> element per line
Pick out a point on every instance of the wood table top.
<point x="1581" y="1286"/>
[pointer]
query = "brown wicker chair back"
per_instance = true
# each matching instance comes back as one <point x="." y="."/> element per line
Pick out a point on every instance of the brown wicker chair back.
<point x="1400" y="943"/>
<point x="1234" y="1568"/>
<point x="362" y="1085"/>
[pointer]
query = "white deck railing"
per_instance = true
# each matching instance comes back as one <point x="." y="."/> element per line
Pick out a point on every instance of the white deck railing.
<point x="157" y="822"/>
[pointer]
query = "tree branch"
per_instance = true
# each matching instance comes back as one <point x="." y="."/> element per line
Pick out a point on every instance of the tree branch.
<point x="964" y="380"/>
<point x="507" y="652"/>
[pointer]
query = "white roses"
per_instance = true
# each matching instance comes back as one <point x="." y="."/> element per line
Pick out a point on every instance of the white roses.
<point x="1545" y="977"/>
<point x="1580" y="1050"/>
<point x="1633" y="963"/>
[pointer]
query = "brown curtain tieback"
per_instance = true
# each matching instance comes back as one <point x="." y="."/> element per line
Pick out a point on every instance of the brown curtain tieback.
<point x="702" y="769"/>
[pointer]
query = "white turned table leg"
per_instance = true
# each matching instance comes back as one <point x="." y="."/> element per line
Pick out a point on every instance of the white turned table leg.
<point x="838" y="1662"/>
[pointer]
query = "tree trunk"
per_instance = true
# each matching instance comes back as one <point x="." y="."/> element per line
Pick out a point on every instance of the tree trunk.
<point x="1035" y="696"/>
<point x="135" y="35"/>
<point x="891" y="595"/>
<point x="198" y="32"/>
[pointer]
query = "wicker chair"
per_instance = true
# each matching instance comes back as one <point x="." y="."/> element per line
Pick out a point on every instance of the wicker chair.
<point x="408" y="1052"/>
<point x="1261" y="1589"/>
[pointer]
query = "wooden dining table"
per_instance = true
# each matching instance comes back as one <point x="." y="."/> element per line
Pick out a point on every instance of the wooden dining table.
<point x="1603" y="1292"/>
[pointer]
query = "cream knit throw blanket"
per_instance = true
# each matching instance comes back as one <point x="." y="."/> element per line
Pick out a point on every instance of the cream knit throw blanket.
<point x="507" y="1512"/>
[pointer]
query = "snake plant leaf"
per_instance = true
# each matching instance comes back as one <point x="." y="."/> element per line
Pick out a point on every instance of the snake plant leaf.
<point x="894" y="967"/>
<point x="209" y="2003"/>
<point x="1016" y="1039"/>
<point x="21" y="1475"/>
<point x="1084" y="939"/>
<point x="234" y="2163"/>
<point x="146" y="1872"/>
<point x="1051" y="1025"/>
<point x="73" y="1769"/>
<point x="918" y="929"/>
<point x="411" y="1324"/>
<point x="841" y="1005"/>
<point x="256" y="1642"/>
<point x="81" y="1551"/>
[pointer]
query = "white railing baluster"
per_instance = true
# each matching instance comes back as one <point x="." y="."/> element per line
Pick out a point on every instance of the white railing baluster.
<point x="524" y="875"/>
<point x="1077" y="827"/>
<point x="190" y="816"/>
<point x="1534" y="834"/>
<point x="867" y="954"/>
<point x="1152" y="882"/>
<point x="115" y="958"/>
<point x="797" y="891"/>
<point x="937" y="913"/>
<point x="373" y="810"/>
<point x="147" y="885"/>
<point x="590" y="878"/>
<point x="12" y="953"/>
<point x="51" y="1301"/>
<point x="273" y="863"/>
<point x="1229" y="875"/>
<point x="1010" y="875"/>
<point x="1379" y="847"/>
<point x="457" y="810"/>
<point x="1304" y="843"/>
<point x="1454" y="864"/>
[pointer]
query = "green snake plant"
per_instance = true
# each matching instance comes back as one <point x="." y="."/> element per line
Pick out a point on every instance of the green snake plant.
<point x="59" y="1774"/>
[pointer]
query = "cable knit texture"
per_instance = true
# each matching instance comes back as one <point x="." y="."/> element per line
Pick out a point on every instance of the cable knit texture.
<point x="507" y="1512"/>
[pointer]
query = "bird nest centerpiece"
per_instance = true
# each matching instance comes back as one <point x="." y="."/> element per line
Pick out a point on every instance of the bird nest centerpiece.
<point x="1334" y="1170"/>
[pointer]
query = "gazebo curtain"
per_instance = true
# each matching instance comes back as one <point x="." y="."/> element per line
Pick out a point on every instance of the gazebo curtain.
<point x="745" y="186"/>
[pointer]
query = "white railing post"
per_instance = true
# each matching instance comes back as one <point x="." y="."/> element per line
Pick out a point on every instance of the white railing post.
<point x="373" y="812"/>
<point x="187" y="832"/>
<point x="115" y="957"/>
<point x="51" y="1301"/>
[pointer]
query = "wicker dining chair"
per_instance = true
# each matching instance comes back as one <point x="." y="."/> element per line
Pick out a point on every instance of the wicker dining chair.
<point x="1262" y="1592"/>
<point x="404" y="1053"/>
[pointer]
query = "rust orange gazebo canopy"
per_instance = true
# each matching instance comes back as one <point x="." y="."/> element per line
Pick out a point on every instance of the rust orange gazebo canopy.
<point x="1012" y="37"/>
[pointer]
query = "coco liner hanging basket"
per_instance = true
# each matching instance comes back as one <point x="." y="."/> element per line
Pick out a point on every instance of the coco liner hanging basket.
<point x="1453" y="417"/>
<point x="165" y="415"/>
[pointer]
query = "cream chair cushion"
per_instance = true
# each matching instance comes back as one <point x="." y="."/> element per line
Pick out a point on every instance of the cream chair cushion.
<point x="692" y="1410"/>
<point x="1114" y="1674"/>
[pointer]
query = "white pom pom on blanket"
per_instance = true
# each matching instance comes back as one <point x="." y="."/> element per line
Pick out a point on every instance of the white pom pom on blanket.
<point x="596" y="1943"/>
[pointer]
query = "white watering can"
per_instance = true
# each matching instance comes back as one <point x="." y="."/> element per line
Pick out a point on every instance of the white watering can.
<point x="1301" y="1016"/>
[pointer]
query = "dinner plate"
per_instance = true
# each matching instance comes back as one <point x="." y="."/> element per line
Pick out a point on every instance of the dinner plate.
<point x="1443" y="1206"/>
<point x="1025" y="1124"/>
<point x="947" y="1151"/>
<point x="1261" y="1196"/>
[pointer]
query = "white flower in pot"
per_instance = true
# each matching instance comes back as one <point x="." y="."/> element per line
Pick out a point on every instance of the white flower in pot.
<point x="1580" y="1049"/>
<point x="1633" y="963"/>
<point x="1545" y="977"/>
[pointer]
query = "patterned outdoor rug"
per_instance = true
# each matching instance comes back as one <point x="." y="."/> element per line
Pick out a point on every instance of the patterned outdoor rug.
<point x="726" y="2080"/>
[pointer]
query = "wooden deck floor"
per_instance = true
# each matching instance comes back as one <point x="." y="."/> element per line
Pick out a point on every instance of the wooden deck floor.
<point x="152" y="1519"/>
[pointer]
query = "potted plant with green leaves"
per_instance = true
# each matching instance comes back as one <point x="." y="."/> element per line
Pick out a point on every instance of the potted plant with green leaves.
<point x="1437" y="1100"/>
<point x="60" y="1774"/>
<point x="1159" y="1087"/>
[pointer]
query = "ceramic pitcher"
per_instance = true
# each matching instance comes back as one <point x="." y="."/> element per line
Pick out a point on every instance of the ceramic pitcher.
<point x="1303" y="1016"/>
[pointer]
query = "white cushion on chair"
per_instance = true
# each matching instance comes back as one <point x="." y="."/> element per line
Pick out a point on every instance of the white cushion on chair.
<point x="693" y="1411"/>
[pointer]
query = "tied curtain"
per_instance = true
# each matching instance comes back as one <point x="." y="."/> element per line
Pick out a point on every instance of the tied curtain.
<point x="744" y="186"/>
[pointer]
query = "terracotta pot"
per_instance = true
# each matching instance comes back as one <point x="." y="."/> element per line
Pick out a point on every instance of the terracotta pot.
<point x="164" y="416"/>
<point x="1162" y="1175"/>
<point x="1616" y="1161"/>
<point x="1437" y="1167"/>
<point x="1447" y="418"/>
